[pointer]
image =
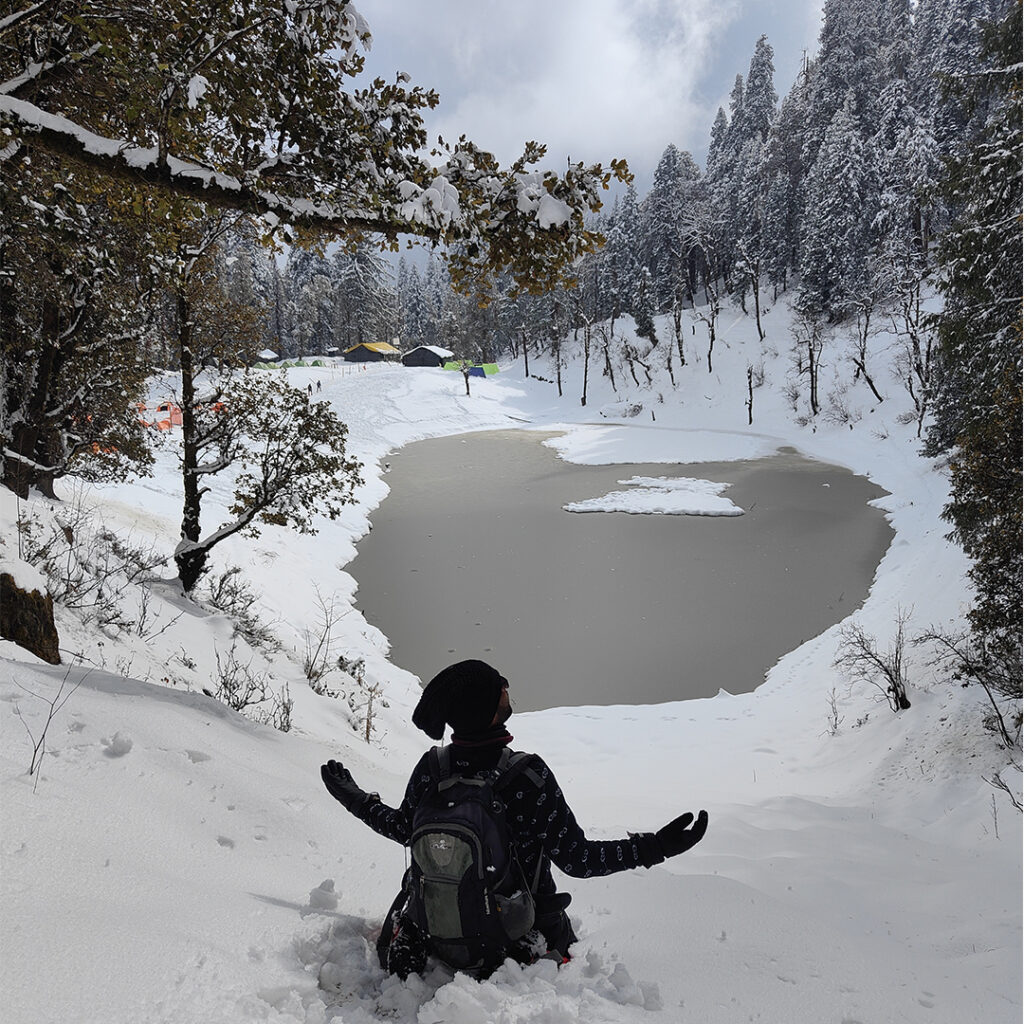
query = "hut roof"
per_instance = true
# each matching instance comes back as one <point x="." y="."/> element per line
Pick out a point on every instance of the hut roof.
<point x="382" y="347"/>
<point x="441" y="353"/>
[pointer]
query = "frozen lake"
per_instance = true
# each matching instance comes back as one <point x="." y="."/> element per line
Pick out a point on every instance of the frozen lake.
<point x="473" y="556"/>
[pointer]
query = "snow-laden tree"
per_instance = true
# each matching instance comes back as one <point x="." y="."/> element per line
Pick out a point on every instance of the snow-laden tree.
<point x="314" y="330"/>
<point x="948" y="53"/>
<point x="663" y="210"/>
<point x="723" y="181"/>
<point x="75" y="311"/>
<point x="365" y="305"/>
<point x="642" y="306"/>
<point x="905" y="166"/>
<point x="978" y="399"/>
<point x="760" y="97"/>
<point x="412" y="301"/>
<point x="835" y="243"/>
<point x="847" y="63"/>
<point x="622" y="257"/>
<point x="896" y="37"/>
<point x="716" y="146"/>
<point x="784" y="173"/>
<point x="249" y="107"/>
<point x="751" y="245"/>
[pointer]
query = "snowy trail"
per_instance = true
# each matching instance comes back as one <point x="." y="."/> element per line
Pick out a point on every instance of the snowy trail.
<point x="167" y="864"/>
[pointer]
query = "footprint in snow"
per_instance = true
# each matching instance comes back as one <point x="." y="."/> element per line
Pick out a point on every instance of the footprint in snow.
<point x="117" y="746"/>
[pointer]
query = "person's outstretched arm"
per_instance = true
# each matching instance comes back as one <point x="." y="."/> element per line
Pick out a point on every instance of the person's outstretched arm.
<point x="391" y="822"/>
<point x="545" y="819"/>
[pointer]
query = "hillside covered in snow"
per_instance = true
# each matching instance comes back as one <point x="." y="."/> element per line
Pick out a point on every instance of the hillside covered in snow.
<point x="169" y="859"/>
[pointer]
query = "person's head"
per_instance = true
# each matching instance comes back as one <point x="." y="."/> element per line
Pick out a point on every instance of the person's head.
<point x="470" y="696"/>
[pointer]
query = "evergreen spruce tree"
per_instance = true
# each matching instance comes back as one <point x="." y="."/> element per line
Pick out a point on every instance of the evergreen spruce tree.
<point x="716" y="148"/>
<point x="905" y="170"/>
<point x="978" y="400"/>
<point x="784" y="173"/>
<point x="750" y="204"/>
<point x="835" y="247"/>
<point x="663" y="211"/>
<point x="848" y="62"/>
<point x="642" y="305"/>
<point x="760" y="97"/>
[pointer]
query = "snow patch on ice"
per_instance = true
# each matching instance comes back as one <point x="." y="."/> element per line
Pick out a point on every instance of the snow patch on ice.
<point x="673" y="496"/>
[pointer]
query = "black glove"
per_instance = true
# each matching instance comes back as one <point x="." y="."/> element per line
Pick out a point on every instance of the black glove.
<point x="681" y="834"/>
<point x="340" y="784"/>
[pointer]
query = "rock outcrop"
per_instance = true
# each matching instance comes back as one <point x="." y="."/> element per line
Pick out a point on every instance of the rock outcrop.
<point x="26" y="618"/>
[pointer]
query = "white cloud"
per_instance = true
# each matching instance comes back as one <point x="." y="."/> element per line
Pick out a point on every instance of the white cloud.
<point x="593" y="79"/>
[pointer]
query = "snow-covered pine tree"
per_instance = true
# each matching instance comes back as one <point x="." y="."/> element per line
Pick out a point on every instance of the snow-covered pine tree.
<point x="760" y="97"/>
<point x="948" y="53"/>
<point x="784" y="171"/>
<point x="848" y="62"/>
<point x="413" y="304"/>
<point x="365" y="307"/>
<point x="723" y="182"/>
<point x="750" y="203"/>
<point x="663" y="211"/>
<point x="905" y="169"/>
<point x="896" y="41"/>
<point x="835" y="246"/>
<point x="978" y="397"/>
<point x="312" y="302"/>
<point x="642" y="306"/>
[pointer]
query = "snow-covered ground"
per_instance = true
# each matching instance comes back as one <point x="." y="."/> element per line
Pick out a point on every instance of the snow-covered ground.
<point x="172" y="861"/>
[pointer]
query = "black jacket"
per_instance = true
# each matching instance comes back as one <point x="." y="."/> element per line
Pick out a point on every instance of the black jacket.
<point x="542" y="824"/>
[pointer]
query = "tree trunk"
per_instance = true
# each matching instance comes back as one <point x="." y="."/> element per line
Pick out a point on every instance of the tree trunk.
<point x="862" y="371"/>
<point x="586" y="362"/>
<point x="713" y="316"/>
<point x="755" y="284"/>
<point x="191" y="562"/>
<point x="30" y="465"/>
<point x="812" y="370"/>
<point x="608" y="361"/>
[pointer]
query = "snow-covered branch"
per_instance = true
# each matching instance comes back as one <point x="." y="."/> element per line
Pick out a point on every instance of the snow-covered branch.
<point x="141" y="165"/>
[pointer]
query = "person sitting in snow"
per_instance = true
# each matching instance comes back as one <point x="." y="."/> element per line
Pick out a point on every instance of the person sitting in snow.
<point x="472" y="698"/>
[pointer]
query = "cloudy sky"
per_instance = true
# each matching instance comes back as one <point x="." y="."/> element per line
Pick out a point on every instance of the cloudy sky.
<point x="593" y="79"/>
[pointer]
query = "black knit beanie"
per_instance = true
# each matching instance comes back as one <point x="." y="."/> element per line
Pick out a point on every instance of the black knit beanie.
<point x="464" y="695"/>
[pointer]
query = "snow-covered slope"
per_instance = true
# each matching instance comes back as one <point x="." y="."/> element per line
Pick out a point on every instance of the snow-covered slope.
<point x="172" y="861"/>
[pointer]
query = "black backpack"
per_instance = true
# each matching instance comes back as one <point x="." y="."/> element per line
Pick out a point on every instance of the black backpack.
<point x="467" y="891"/>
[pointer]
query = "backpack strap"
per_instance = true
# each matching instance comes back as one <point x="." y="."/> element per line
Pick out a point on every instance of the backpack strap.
<point x="512" y="765"/>
<point x="439" y="763"/>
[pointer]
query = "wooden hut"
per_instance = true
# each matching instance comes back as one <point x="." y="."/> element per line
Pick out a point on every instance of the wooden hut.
<point x="427" y="355"/>
<point x="370" y="352"/>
